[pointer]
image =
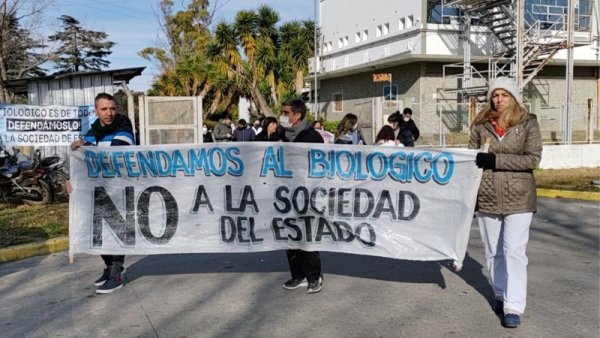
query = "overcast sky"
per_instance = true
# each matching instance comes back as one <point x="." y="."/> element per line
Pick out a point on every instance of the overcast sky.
<point x="133" y="26"/>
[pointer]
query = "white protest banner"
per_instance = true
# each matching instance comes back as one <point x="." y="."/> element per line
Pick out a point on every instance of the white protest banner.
<point x="401" y="203"/>
<point x="27" y="125"/>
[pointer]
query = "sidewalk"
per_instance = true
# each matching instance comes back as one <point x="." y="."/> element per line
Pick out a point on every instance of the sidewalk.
<point x="240" y="295"/>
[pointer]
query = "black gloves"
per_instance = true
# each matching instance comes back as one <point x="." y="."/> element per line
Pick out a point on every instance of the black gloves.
<point x="486" y="160"/>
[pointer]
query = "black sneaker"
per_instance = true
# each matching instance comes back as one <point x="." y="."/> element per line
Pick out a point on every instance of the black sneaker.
<point x="295" y="283"/>
<point x="105" y="275"/>
<point x="113" y="283"/>
<point x="103" y="278"/>
<point x="314" y="287"/>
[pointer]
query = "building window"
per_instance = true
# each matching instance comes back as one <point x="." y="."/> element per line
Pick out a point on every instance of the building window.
<point x="378" y="31"/>
<point x="357" y="37"/>
<point x="328" y="47"/>
<point x="340" y="43"/>
<point x="393" y="95"/>
<point x="346" y="41"/>
<point x="365" y="35"/>
<point x="402" y="24"/>
<point x="386" y="29"/>
<point x="338" y="99"/>
<point x="409" y="21"/>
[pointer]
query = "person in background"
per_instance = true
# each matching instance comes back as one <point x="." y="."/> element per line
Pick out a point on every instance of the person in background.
<point x="402" y="134"/>
<point x="207" y="136"/>
<point x="270" y="131"/>
<point x="348" y="131"/>
<point x="305" y="266"/>
<point x="256" y="127"/>
<point x="110" y="129"/>
<point x="506" y="199"/>
<point x="386" y="138"/>
<point x="410" y="124"/>
<point x="222" y="131"/>
<point x="317" y="125"/>
<point x="242" y="133"/>
<point x="327" y="136"/>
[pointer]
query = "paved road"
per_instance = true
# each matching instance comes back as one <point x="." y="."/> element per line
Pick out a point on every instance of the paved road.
<point x="240" y="295"/>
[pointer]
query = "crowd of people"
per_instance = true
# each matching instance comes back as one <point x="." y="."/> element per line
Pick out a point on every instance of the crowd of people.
<point x="400" y="131"/>
<point x="510" y="142"/>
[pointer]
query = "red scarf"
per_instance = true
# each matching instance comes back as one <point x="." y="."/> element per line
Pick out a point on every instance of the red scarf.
<point x="497" y="127"/>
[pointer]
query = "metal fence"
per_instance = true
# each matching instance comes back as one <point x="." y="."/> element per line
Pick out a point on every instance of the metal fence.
<point x="449" y="126"/>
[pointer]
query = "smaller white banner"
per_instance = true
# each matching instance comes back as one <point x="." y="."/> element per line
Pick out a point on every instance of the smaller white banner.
<point x="27" y="125"/>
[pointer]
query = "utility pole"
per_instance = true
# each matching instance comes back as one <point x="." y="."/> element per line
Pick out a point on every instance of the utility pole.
<point x="520" y="44"/>
<point x="567" y="119"/>
<point x="315" y="62"/>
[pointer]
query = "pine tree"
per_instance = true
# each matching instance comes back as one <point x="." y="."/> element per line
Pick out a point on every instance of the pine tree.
<point x="80" y="49"/>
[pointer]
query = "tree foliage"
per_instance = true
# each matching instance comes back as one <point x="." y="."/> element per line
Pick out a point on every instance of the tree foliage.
<point x="20" y="50"/>
<point x="251" y="57"/>
<point x="180" y="58"/>
<point x="81" y="49"/>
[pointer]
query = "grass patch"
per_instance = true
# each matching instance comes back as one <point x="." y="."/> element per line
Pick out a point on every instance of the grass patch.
<point x="21" y="224"/>
<point x="579" y="179"/>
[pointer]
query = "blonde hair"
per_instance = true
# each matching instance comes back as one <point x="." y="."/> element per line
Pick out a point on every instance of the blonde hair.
<point x="511" y="116"/>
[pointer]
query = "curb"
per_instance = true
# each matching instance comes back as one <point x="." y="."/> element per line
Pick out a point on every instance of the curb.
<point x="577" y="195"/>
<point x="58" y="244"/>
<point x="17" y="252"/>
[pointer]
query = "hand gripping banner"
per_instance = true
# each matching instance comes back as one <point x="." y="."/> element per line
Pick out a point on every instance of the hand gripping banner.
<point x="403" y="203"/>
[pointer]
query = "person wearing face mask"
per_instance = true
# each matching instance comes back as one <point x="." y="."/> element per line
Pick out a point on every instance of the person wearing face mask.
<point x="207" y="136"/>
<point x="403" y="134"/>
<point x="222" y="131"/>
<point x="409" y="123"/>
<point x="305" y="266"/>
<point x="348" y="131"/>
<point x="506" y="199"/>
<point x="256" y="127"/>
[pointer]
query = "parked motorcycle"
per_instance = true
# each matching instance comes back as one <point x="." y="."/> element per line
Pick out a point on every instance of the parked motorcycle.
<point x="55" y="173"/>
<point x="23" y="180"/>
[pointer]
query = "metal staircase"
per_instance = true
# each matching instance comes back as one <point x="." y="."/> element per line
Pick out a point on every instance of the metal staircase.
<point x="541" y="40"/>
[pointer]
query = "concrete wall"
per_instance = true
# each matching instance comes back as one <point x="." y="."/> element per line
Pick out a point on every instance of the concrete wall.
<point x="571" y="156"/>
<point x="418" y="85"/>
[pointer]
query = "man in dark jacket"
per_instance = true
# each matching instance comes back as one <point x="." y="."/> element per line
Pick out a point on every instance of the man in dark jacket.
<point x="305" y="266"/>
<point x="242" y="133"/>
<point x="409" y="123"/>
<point x="402" y="133"/>
<point x="110" y="129"/>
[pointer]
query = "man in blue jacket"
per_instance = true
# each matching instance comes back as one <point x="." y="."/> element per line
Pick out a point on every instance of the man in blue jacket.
<point x="110" y="129"/>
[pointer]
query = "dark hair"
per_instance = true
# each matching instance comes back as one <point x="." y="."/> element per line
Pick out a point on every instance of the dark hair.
<point x="105" y="96"/>
<point x="242" y="122"/>
<point x="297" y="106"/>
<point x="267" y="121"/>
<point x="386" y="133"/>
<point x="395" y="117"/>
<point x="407" y="111"/>
<point x="314" y="123"/>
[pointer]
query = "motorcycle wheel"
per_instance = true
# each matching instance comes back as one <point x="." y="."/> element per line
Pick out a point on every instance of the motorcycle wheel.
<point x="41" y="193"/>
<point x="60" y="184"/>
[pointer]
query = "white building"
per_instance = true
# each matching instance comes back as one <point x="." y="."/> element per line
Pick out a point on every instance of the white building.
<point x="422" y="45"/>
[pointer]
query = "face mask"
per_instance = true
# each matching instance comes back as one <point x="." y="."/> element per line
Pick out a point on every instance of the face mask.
<point x="204" y="131"/>
<point x="284" y="121"/>
<point x="406" y="118"/>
